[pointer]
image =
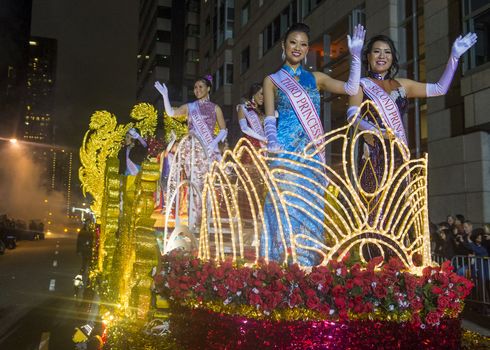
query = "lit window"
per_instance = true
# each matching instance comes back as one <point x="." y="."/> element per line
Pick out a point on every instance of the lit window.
<point x="476" y="18"/>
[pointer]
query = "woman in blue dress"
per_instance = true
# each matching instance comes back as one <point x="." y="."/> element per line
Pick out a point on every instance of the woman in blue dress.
<point x="294" y="92"/>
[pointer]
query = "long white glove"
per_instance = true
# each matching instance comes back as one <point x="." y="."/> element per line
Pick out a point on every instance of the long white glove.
<point x="249" y="131"/>
<point x="134" y="134"/>
<point x="162" y="89"/>
<point x="270" y="130"/>
<point x="460" y="46"/>
<point x="355" y="48"/>
<point x="361" y="123"/>
<point x="220" y="137"/>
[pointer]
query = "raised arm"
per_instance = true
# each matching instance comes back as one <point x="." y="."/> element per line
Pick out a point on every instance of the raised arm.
<point x="134" y="134"/>
<point x="162" y="89"/>
<point x="270" y="120"/>
<point x="417" y="89"/>
<point x="352" y="112"/>
<point x="350" y="87"/>
<point x="244" y="125"/>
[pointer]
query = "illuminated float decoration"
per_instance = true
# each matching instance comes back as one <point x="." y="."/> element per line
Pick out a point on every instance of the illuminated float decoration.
<point x="228" y="296"/>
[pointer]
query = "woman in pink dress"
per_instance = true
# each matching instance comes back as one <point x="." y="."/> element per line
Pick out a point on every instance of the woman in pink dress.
<point x="202" y="115"/>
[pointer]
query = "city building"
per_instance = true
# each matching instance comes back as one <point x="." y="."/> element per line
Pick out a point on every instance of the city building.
<point x="168" y="49"/>
<point x="41" y="77"/>
<point x="241" y="44"/>
<point x="61" y="179"/>
<point x="15" y="27"/>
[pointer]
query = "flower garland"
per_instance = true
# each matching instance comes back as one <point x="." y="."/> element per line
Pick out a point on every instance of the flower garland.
<point x="338" y="291"/>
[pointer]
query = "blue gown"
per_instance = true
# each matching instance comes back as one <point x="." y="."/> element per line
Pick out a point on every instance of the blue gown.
<point x="293" y="138"/>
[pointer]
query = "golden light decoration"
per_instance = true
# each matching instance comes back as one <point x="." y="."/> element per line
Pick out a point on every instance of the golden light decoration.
<point x="146" y="118"/>
<point x="101" y="141"/>
<point x="177" y="124"/>
<point x="392" y="217"/>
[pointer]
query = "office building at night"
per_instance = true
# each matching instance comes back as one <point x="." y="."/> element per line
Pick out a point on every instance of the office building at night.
<point x="15" y="28"/>
<point x="41" y="77"/>
<point x="168" y="49"/>
<point x="241" y="44"/>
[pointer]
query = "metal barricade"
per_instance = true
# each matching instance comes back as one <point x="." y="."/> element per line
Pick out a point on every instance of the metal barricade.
<point x="438" y="258"/>
<point x="476" y="269"/>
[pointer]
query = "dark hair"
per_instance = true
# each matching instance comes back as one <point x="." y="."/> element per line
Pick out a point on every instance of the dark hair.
<point x="459" y="217"/>
<point x="298" y="27"/>
<point x="254" y="88"/>
<point x="369" y="46"/>
<point x="207" y="79"/>
<point x="477" y="232"/>
<point x="447" y="232"/>
<point x="443" y="224"/>
<point x="468" y="222"/>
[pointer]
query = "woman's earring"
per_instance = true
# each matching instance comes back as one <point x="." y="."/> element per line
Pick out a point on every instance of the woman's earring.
<point x="305" y="60"/>
<point x="283" y="55"/>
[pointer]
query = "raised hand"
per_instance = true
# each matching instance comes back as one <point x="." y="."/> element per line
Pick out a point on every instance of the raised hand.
<point x="162" y="88"/>
<point x="133" y="133"/>
<point x="356" y="42"/>
<point x="463" y="44"/>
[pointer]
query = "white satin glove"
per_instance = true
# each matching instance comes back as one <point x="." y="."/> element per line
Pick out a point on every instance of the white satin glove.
<point x="460" y="46"/>
<point x="352" y="114"/>
<point x="213" y="146"/>
<point x="249" y="131"/>
<point x="270" y="130"/>
<point x="463" y="44"/>
<point x="162" y="89"/>
<point x="355" y="44"/>
<point x="133" y="133"/>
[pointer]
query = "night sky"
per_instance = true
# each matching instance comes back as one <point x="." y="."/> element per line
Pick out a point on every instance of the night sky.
<point x="97" y="44"/>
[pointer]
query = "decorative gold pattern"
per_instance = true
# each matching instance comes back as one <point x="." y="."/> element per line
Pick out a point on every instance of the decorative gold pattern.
<point x="398" y="204"/>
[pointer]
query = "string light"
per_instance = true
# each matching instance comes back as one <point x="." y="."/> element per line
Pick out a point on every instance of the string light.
<point x="394" y="215"/>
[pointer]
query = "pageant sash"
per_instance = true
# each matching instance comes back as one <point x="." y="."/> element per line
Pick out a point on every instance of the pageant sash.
<point x="201" y="129"/>
<point x="253" y="120"/>
<point x="199" y="124"/>
<point x="302" y="105"/>
<point x="389" y="110"/>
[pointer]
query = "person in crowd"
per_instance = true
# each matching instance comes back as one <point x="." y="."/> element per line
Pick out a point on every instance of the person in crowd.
<point x="450" y="221"/>
<point x="295" y="93"/>
<point x="474" y="243"/>
<point x="458" y="224"/>
<point x="467" y="229"/>
<point x="251" y="116"/>
<point x="486" y="237"/>
<point x="133" y="153"/>
<point x="202" y="115"/>
<point x="84" y="246"/>
<point x="391" y="94"/>
<point x="447" y="244"/>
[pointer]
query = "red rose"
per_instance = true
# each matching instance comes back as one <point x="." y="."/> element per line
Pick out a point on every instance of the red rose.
<point x="340" y="303"/>
<point x="443" y="303"/>
<point x="254" y="299"/>
<point x="295" y="299"/>
<point x="338" y="291"/>
<point x="433" y="317"/>
<point x="312" y="302"/>
<point x="436" y="290"/>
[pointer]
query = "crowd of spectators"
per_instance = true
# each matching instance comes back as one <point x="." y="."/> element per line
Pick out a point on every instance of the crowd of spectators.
<point x="468" y="248"/>
<point x="457" y="236"/>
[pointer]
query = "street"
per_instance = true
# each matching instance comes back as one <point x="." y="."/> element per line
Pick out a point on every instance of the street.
<point x="37" y="310"/>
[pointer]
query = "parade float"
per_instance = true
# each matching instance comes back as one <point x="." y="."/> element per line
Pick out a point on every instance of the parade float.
<point x="216" y="289"/>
